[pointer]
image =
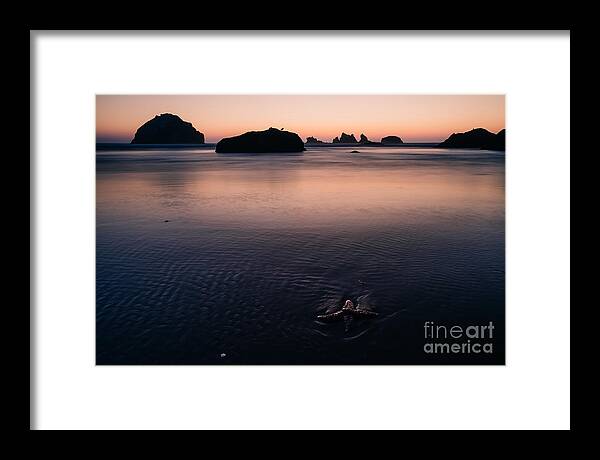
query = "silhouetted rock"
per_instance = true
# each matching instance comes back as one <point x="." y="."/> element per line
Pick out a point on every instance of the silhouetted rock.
<point x="313" y="140"/>
<point x="167" y="129"/>
<point x="348" y="139"/>
<point x="365" y="140"/>
<point x="477" y="138"/>
<point x="390" y="140"/>
<point x="498" y="143"/>
<point x="269" y="141"/>
<point x="336" y="140"/>
<point x="345" y="139"/>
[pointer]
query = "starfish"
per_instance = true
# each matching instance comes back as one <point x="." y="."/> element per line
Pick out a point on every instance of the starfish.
<point x="347" y="313"/>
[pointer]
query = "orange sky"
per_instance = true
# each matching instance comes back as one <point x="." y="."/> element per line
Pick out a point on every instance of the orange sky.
<point x="414" y="118"/>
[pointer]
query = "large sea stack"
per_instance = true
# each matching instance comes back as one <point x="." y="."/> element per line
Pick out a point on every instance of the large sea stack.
<point x="477" y="138"/>
<point x="271" y="140"/>
<point x="167" y="129"/>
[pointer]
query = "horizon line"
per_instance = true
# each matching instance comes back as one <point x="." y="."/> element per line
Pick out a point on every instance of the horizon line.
<point x="103" y="139"/>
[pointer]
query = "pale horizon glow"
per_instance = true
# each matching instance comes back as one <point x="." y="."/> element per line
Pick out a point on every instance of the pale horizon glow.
<point x="415" y="118"/>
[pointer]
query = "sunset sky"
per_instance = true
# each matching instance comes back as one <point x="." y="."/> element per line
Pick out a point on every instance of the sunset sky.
<point x="414" y="118"/>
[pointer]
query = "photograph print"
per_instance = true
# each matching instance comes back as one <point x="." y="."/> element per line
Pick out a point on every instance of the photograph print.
<point x="300" y="229"/>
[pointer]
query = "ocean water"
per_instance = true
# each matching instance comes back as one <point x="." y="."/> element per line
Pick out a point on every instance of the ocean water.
<point x="206" y="258"/>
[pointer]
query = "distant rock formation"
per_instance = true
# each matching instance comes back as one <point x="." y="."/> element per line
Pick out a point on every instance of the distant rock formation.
<point x="336" y="140"/>
<point x="477" y="138"/>
<point x="167" y="129"/>
<point x="365" y="140"/>
<point x="313" y="140"/>
<point x="391" y="140"/>
<point x="345" y="139"/>
<point x="271" y="140"/>
<point x="498" y="143"/>
<point x="348" y="139"/>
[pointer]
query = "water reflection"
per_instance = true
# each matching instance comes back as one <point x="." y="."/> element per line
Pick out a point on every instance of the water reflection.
<point x="255" y="247"/>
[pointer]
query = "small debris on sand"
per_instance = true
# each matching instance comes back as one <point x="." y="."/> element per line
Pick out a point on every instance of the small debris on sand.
<point x="349" y="309"/>
<point x="223" y="355"/>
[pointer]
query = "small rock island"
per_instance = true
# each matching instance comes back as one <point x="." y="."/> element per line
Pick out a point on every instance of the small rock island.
<point x="167" y="129"/>
<point x="313" y="140"/>
<point x="345" y="139"/>
<point x="391" y="140"/>
<point x="271" y="140"/>
<point x="478" y="138"/>
<point x="365" y="140"/>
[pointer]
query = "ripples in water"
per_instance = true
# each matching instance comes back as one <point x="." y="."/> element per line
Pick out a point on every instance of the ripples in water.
<point x="200" y="255"/>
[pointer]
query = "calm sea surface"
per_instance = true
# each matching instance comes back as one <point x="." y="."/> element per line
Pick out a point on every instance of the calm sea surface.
<point x="206" y="258"/>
